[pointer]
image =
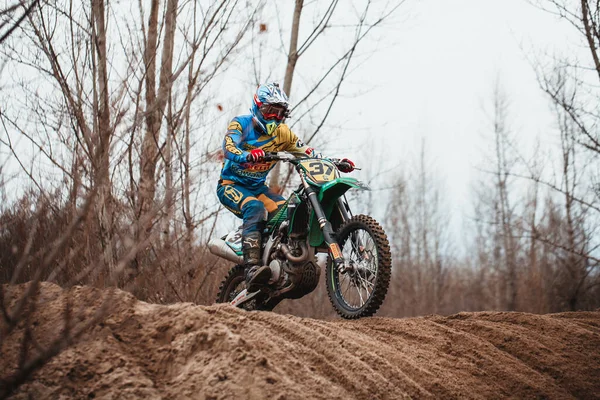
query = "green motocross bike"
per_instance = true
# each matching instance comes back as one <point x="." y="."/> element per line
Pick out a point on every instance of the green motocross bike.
<point x="315" y="219"/>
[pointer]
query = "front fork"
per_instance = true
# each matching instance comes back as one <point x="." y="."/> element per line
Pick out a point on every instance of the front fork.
<point x="328" y="234"/>
<point x="346" y="215"/>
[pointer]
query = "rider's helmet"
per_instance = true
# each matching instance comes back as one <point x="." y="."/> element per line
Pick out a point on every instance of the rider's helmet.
<point x="270" y="107"/>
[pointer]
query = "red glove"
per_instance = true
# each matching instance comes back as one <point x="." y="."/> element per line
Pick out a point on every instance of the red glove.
<point x="345" y="165"/>
<point x="255" y="155"/>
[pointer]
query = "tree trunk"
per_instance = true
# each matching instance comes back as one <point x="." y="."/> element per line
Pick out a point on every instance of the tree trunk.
<point x="103" y="132"/>
<point x="155" y="106"/>
<point x="149" y="152"/>
<point x="164" y="97"/>
<point x="293" y="52"/>
<point x="276" y="175"/>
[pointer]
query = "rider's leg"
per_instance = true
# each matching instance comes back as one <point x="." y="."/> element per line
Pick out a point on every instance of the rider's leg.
<point x="243" y="203"/>
<point x="254" y="219"/>
<point x="271" y="200"/>
<point x="257" y="210"/>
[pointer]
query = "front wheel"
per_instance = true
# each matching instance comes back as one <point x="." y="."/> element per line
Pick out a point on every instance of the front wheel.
<point x="359" y="288"/>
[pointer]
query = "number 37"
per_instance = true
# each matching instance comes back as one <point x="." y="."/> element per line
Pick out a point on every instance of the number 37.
<point x="318" y="168"/>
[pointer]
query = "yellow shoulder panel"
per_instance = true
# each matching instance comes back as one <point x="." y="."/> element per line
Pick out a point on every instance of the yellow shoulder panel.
<point x="284" y="134"/>
<point x="234" y="126"/>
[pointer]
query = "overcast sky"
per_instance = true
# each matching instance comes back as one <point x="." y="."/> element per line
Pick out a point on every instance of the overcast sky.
<point x="429" y="77"/>
<point x="436" y="79"/>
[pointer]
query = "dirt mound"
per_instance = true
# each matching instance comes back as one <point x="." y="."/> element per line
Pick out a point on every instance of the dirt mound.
<point x="186" y="351"/>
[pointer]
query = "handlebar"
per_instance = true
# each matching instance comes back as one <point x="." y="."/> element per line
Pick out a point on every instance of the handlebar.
<point x="287" y="157"/>
<point x="280" y="156"/>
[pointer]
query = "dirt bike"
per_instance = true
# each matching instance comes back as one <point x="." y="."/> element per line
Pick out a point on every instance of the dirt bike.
<point x="315" y="219"/>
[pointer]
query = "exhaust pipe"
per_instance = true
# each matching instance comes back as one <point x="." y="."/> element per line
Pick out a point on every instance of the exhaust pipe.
<point x="295" y="259"/>
<point x="219" y="248"/>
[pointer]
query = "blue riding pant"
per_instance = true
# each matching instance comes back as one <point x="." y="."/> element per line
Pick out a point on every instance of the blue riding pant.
<point x="252" y="205"/>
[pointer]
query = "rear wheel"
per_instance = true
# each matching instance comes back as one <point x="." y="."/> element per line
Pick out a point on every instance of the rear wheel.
<point x="233" y="285"/>
<point x="358" y="290"/>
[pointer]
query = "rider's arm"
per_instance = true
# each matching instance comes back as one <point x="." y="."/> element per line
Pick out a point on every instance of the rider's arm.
<point x="231" y="143"/>
<point x="294" y="144"/>
<point x="297" y="146"/>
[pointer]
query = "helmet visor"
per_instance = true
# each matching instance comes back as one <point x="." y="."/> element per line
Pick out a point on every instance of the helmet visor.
<point x="274" y="111"/>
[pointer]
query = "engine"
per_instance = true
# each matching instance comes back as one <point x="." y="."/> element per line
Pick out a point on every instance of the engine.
<point x="293" y="266"/>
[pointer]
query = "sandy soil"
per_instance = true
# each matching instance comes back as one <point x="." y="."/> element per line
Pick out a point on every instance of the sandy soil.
<point x="185" y="351"/>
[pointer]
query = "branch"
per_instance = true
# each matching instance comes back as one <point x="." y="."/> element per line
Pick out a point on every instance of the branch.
<point x="535" y="236"/>
<point x="28" y="11"/>
<point x="556" y="188"/>
<point x="318" y="29"/>
<point x="589" y="35"/>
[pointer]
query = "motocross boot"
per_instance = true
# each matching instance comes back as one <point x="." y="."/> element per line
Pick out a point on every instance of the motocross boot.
<point x="256" y="274"/>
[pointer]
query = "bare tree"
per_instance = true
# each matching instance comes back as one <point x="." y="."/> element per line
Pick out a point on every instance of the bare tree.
<point x="573" y="230"/>
<point x="114" y="86"/>
<point x="504" y="209"/>
<point x="156" y="101"/>
<point x="419" y="227"/>
<point x="327" y="87"/>
<point x="496" y="196"/>
<point x="572" y="86"/>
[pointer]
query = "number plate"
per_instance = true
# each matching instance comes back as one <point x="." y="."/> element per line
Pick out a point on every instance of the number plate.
<point x="319" y="171"/>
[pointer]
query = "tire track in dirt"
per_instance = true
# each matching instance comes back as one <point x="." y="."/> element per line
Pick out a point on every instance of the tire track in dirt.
<point x="186" y="351"/>
<point x="447" y="361"/>
<point x="378" y="355"/>
<point x="353" y="371"/>
<point x="538" y="341"/>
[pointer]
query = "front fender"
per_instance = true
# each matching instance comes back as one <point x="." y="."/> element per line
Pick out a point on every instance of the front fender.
<point x="339" y="186"/>
<point x="328" y="195"/>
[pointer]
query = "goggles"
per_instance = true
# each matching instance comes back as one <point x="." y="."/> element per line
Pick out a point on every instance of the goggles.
<point x="274" y="111"/>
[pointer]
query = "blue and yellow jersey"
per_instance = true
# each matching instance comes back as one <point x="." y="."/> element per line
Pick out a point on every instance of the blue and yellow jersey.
<point x="241" y="137"/>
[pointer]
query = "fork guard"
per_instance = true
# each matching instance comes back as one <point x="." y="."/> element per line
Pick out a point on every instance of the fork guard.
<point x="328" y="196"/>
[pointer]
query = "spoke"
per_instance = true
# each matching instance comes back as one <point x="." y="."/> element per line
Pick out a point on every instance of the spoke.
<point x="348" y="285"/>
<point x="345" y="291"/>
<point x="359" y="251"/>
<point x="364" y="241"/>
<point x="372" y="267"/>
<point x="366" y="281"/>
<point x="360" y="295"/>
<point x="345" y="277"/>
<point x="371" y="246"/>
<point x="364" y="284"/>
<point x="354" y="243"/>
<point x="353" y="250"/>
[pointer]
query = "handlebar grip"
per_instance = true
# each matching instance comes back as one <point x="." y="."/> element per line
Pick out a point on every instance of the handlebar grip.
<point x="270" y="156"/>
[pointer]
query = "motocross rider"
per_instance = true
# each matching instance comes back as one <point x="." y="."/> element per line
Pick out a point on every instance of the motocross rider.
<point x="241" y="188"/>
